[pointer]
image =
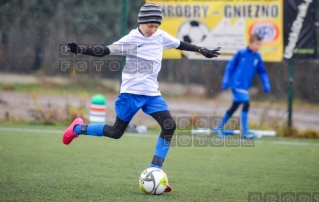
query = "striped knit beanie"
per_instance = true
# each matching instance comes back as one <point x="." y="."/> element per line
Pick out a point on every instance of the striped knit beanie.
<point x="150" y="13"/>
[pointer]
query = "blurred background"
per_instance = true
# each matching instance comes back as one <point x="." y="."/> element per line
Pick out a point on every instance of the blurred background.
<point x="32" y="89"/>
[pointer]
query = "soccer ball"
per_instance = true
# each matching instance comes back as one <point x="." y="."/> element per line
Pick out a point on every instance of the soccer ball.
<point x="153" y="181"/>
<point x="193" y="32"/>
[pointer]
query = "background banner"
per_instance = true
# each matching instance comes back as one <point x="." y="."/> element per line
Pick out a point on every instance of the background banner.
<point x="299" y="29"/>
<point x="225" y="23"/>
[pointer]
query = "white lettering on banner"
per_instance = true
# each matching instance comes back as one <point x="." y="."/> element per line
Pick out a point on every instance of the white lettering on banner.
<point x="295" y="29"/>
<point x="188" y="11"/>
<point x="251" y="11"/>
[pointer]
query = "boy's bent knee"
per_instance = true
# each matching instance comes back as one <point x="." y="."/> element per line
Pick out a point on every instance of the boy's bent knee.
<point x="116" y="136"/>
<point x="116" y="131"/>
<point x="169" y="126"/>
<point x="168" y="130"/>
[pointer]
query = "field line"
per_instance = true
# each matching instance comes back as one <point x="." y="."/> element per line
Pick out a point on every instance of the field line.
<point x="26" y="130"/>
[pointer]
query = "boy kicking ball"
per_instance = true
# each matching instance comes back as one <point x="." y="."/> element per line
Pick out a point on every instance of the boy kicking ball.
<point x="139" y="90"/>
<point x="238" y="75"/>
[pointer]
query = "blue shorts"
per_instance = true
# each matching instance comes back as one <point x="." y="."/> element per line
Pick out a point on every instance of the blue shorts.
<point x="240" y="96"/>
<point x="127" y="105"/>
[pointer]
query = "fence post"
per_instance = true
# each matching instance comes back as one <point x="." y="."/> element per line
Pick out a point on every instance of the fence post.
<point x="290" y="90"/>
<point x="123" y="32"/>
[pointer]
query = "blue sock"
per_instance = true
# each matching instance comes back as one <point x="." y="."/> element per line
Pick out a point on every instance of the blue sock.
<point x="161" y="150"/>
<point x="92" y="129"/>
<point x="222" y="122"/>
<point x="244" y="122"/>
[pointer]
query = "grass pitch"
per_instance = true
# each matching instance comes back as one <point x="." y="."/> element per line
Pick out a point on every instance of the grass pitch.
<point x="36" y="166"/>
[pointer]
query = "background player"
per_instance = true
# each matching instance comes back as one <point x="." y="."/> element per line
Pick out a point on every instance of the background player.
<point x="239" y="74"/>
<point x="143" y="47"/>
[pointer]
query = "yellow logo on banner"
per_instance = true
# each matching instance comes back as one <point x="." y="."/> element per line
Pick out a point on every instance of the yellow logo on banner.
<point x="224" y="23"/>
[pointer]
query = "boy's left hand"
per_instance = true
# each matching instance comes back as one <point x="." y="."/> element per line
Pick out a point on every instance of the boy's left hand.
<point x="209" y="53"/>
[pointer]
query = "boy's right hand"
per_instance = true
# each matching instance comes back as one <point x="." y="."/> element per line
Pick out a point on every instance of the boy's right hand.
<point x="74" y="47"/>
<point x="225" y="85"/>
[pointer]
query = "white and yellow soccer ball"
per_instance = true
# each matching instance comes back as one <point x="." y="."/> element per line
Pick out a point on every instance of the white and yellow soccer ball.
<point x="153" y="181"/>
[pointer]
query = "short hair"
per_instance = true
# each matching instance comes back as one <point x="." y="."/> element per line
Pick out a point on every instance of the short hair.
<point x="254" y="37"/>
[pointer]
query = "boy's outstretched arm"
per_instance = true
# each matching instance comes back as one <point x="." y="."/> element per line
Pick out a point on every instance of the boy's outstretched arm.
<point x="230" y="67"/>
<point x="97" y="51"/>
<point x="204" y="51"/>
<point x="263" y="75"/>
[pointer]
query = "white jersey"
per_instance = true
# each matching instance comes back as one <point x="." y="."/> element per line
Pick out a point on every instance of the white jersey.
<point x="143" y="60"/>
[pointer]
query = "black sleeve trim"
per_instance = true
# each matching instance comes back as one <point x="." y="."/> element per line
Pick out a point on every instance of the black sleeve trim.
<point x="97" y="51"/>
<point x="188" y="47"/>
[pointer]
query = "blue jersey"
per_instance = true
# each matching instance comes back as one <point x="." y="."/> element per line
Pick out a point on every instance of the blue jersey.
<point x="241" y="70"/>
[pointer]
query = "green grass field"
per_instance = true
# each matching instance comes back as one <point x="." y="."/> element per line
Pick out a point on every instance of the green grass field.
<point x="36" y="166"/>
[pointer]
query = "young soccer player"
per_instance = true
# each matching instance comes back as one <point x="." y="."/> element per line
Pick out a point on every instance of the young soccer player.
<point x="238" y="76"/>
<point x="139" y="89"/>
